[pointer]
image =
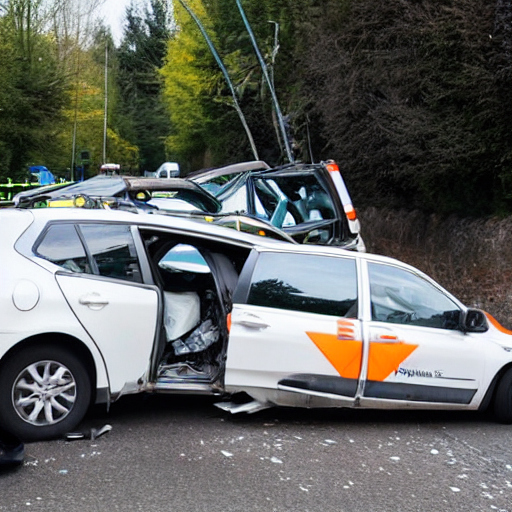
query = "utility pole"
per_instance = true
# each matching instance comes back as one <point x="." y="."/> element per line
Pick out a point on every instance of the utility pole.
<point x="77" y="82"/>
<point x="106" y="105"/>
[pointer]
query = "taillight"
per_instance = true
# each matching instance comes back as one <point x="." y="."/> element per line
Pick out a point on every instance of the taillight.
<point x="332" y="167"/>
<point x="228" y="322"/>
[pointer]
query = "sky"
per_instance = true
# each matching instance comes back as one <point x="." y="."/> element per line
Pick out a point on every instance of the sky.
<point x="113" y="11"/>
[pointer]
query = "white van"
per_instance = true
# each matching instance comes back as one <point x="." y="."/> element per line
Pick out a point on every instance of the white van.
<point x="168" y="170"/>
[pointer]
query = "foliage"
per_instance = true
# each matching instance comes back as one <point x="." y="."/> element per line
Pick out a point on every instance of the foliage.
<point x="141" y="114"/>
<point x="413" y="99"/>
<point x="86" y="117"/>
<point x="416" y="107"/>
<point x="34" y="91"/>
<point x="187" y="73"/>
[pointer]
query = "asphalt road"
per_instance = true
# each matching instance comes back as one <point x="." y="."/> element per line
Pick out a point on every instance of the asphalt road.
<point x="181" y="454"/>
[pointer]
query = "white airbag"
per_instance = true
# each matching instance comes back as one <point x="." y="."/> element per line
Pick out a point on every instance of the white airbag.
<point x="182" y="312"/>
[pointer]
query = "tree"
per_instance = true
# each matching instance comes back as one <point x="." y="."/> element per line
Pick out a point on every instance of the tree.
<point x="189" y="72"/>
<point x="413" y="103"/>
<point x="36" y="89"/>
<point x="141" y="115"/>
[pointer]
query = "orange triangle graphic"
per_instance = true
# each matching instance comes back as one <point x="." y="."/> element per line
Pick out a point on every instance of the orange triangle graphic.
<point x="344" y="355"/>
<point x="385" y="358"/>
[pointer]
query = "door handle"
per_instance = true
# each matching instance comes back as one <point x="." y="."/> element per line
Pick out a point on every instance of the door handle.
<point x="93" y="300"/>
<point x="385" y="338"/>
<point x="252" y="322"/>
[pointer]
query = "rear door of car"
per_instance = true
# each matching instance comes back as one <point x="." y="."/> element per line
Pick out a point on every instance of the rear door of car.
<point x="416" y="350"/>
<point x="294" y="327"/>
<point x="102" y="281"/>
<point x="300" y="200"/>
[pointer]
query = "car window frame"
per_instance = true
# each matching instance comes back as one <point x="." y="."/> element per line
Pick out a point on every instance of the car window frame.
<point x="245" y="280"/>
<point x="366" y="313"/>
<point x="139" y="250"/>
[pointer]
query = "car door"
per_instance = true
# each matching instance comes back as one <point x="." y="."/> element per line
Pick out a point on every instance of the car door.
<point x="101" y="280"/>
<point x="294" y="329"/>
<point x="300" y="201"/>
<point x="416" y="350"/>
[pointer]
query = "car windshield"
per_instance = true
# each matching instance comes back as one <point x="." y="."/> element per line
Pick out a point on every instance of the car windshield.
<point x="106" y="186"/>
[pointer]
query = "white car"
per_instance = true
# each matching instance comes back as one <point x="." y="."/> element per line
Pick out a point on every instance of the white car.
<point x="168" y="170"/>
<point x="97" y="304"/>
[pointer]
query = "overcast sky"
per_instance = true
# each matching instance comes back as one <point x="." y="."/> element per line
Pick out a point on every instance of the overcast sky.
<point x="113" y="11"/>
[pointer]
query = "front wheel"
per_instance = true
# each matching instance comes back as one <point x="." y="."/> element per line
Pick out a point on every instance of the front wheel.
<point x="503" y="398"/>
<point x="45" y="392"/>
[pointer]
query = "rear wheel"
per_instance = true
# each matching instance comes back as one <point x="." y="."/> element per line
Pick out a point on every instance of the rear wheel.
<point x="503" y="399"/>
<point x="45" y="392"/>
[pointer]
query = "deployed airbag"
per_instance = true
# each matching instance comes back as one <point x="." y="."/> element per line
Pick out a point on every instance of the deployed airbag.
<point x="182" y="312"/>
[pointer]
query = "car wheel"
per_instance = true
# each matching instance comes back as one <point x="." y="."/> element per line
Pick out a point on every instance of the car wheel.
<point x="503" y="399"/>
<point x="44" y="392"/>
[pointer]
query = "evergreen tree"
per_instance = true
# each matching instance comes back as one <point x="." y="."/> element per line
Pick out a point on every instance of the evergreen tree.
<point x="34" y="90"/>
<point x="142" y="117"/>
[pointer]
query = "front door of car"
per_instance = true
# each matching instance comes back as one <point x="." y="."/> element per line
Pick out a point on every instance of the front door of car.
<point x="294" y="328"/>
<point x="417" y="353"/>
<point x="101" y="280"/>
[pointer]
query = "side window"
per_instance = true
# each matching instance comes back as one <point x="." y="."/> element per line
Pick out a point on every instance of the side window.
<point x="61" y="245"/>
<point x="113" y="250"/>
<point x="401" y="297"/>
<point x="303" y="282"/>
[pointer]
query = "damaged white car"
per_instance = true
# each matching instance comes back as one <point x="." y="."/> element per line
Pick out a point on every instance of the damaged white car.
<point x="97" y="304"/>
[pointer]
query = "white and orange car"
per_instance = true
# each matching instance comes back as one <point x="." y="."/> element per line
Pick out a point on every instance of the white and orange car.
<point x="97" y="304"/>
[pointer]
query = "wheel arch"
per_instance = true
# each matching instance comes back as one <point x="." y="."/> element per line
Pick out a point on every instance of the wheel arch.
<point x="490" y="395"/>
<point x="64" y="341"/>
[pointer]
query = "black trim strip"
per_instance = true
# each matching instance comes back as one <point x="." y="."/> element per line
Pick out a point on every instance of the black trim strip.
<point x="102" y="396"/>
<point x="456" y="378"/>
<point x="321" y="383"/>
<point x="416" y="393"/>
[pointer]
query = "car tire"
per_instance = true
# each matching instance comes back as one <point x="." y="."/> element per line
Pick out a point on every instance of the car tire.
<point x="45" y="392"/>
<point x="503" y="398"/>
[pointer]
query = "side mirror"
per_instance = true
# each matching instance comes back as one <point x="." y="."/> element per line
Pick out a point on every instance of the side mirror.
<point x="474" y="320"/>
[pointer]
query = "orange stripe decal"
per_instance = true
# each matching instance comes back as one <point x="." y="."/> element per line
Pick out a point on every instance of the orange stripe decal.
<point x="345" y="355"/>
<point x="385" y="358"/>
<point x="496" y="324"/>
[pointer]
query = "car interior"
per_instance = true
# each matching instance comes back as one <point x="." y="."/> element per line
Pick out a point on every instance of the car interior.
<point x="197" y="279"/>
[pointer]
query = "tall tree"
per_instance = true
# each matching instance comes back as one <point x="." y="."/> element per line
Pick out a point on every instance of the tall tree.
<point x="412" y="100"/>
<point x="220" y="136"/>
<point x="37" y="89"/>
<point x="142" y="115"/>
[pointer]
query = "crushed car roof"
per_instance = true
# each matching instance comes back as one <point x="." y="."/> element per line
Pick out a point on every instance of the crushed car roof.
<point x="114" y="186"/>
